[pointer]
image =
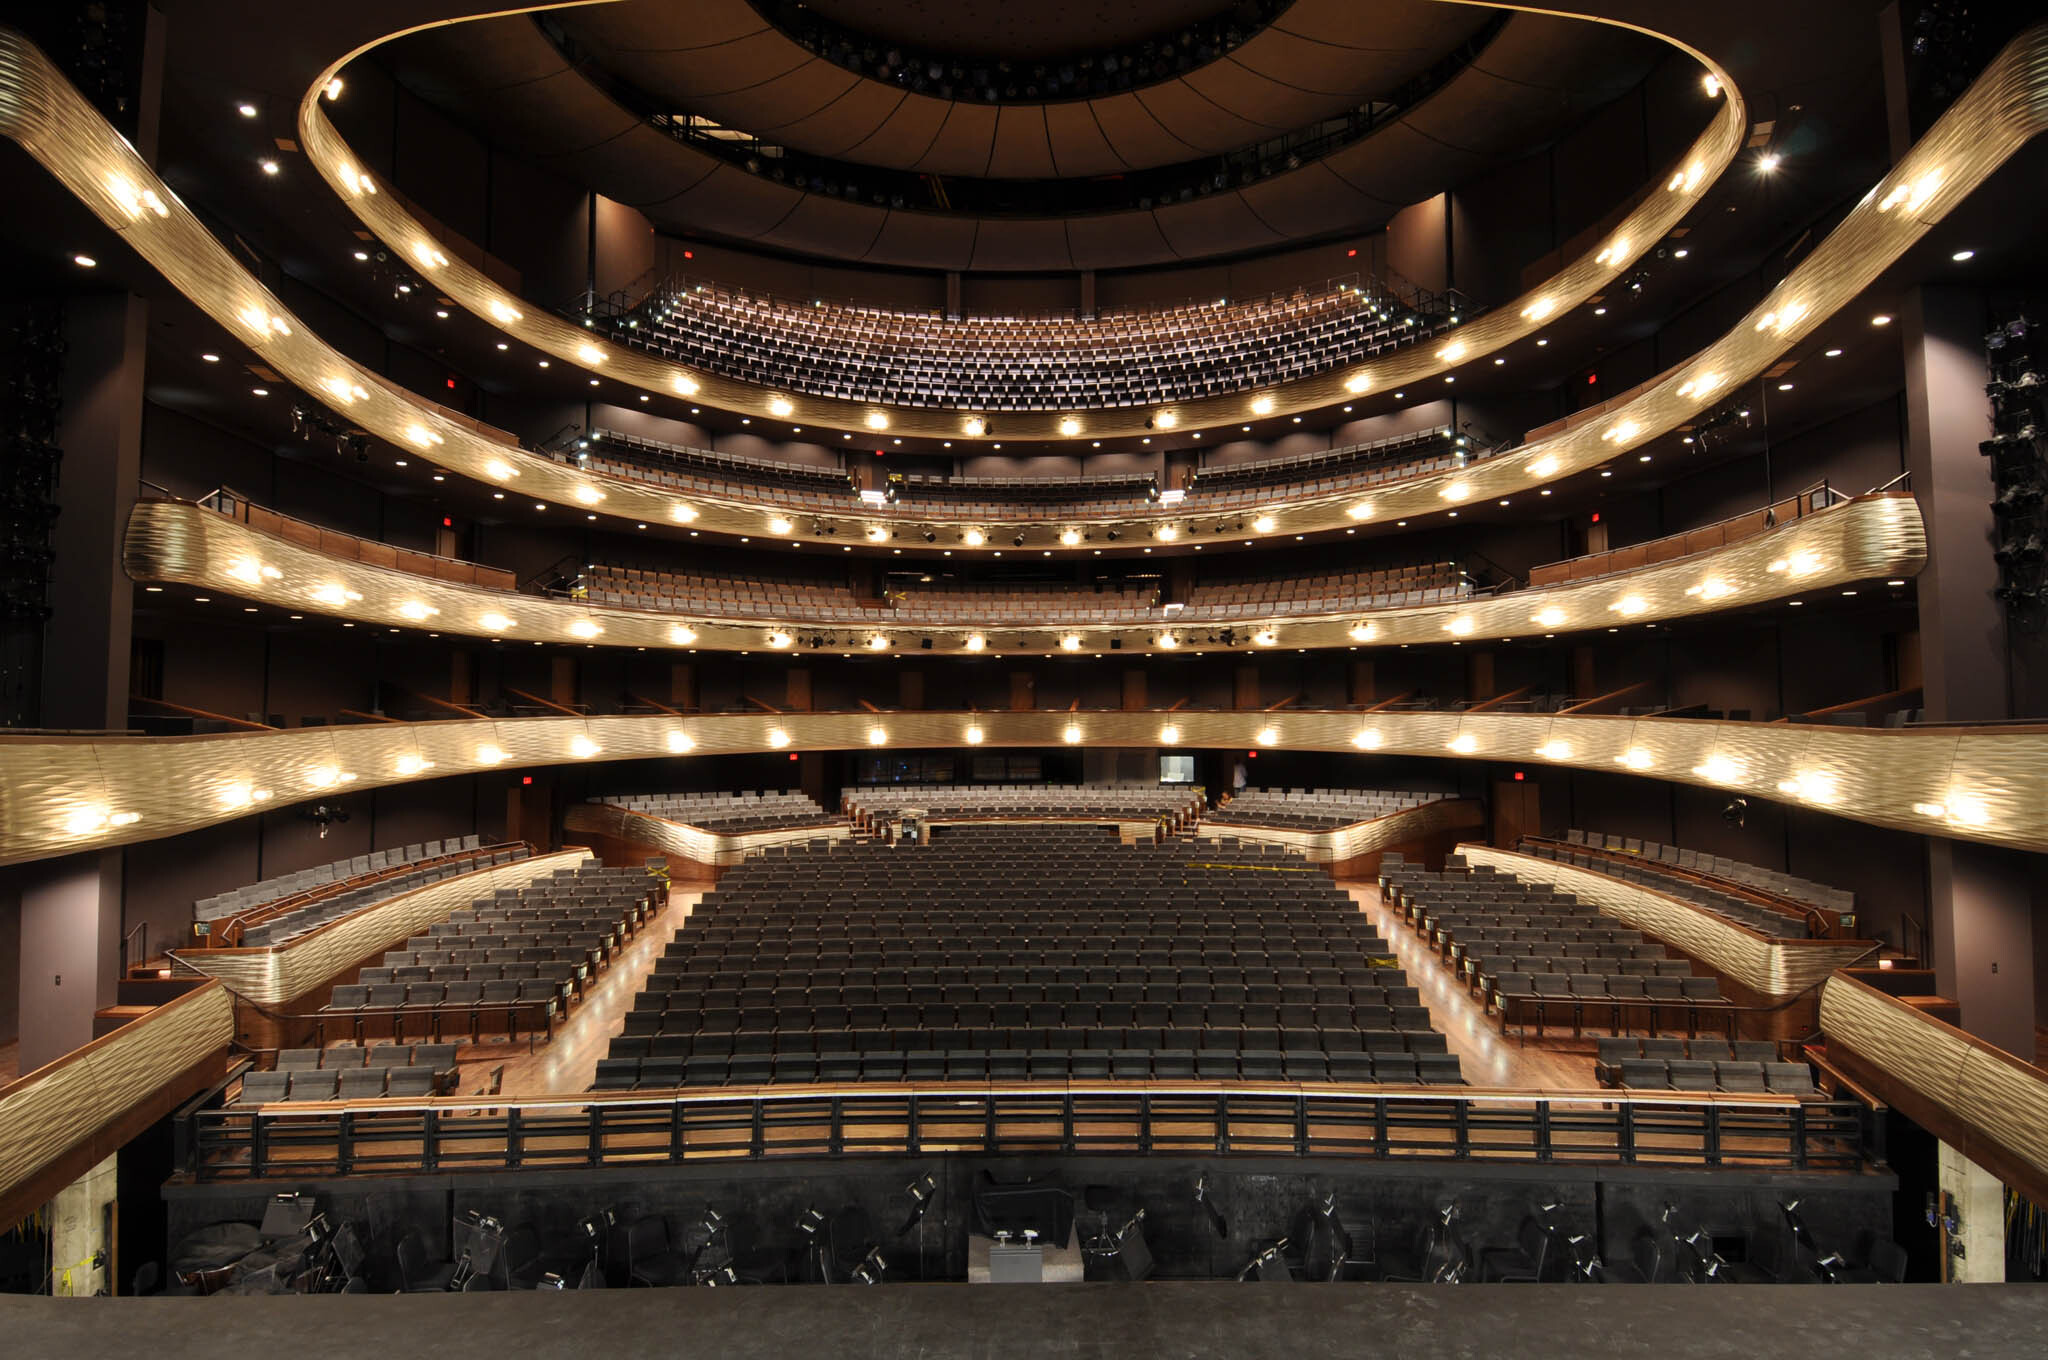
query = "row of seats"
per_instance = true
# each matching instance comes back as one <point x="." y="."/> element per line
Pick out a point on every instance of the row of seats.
<point x="1682" y="1074"/>
<point x="357" y="1083"/>
<point x="996" y="364"/>
<point x="1742" y="911"/>
<point x="281" y="886"/>
<point x="624" y="1073"/>
<point x="1583" y="967"/>
<point x="563" y="927"/>
<point x="1218" y="491"/>
<point x="353" y="1072"/>
<point x="730" y="813"/>
<point x="285" y="925"/>
<point x="1720" y="866"/>
<point x="1613" y="1049"/>
<point x="1045" y="940"/>
<point x="1315" y="809"/>
<point x="1115" y="802"/>
<point x="830" y="600"/>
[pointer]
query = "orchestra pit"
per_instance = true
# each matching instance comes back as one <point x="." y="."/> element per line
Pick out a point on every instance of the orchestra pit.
<point x="925" y="680"/>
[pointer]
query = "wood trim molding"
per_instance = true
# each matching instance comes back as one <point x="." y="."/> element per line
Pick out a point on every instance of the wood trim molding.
<point x="1361" y="838"/>
<point x="684" y="841"/>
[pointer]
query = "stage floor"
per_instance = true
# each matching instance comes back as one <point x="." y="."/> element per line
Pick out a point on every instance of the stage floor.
<point x="1128" y="1322"/>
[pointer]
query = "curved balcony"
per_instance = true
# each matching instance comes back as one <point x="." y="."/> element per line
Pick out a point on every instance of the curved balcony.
<point x="65" y="794"/>
<point x="1871" y="538"/>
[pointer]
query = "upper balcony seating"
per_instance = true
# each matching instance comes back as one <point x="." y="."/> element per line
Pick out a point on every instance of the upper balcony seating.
<point x="995" y="364"/>
<point x="339" y="873"/>
<point x="1109" y="802"/>
<point x="725" y="595"/>
<point x="1025" y="953"/>
<point x="1535" y="952"/>
<point x="679" y="465"/>
<point x="1315" y="809"/>
<point x="728" y="813"/>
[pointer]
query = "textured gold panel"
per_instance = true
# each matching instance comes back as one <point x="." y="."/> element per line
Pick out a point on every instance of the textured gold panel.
<point x="49" y="1112"/>
<point x="275" y="975"/>
<point x="689" y="842"/>
<point x="1679" y="188"/>
<point x="60" y="794"/>
<point x="1360" y="838"/>
<point x="1994" y="1095"/>
<point x="1777" y="968"/>
<point x="1870" y="538"/>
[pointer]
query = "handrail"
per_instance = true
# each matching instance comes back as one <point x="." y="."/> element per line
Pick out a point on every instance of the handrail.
<point x="226" y="501"/>
<point x="226" y="932"/>
<point x="1208" y="1118"/>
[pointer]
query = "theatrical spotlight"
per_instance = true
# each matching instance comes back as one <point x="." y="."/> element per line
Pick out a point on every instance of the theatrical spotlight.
<point x="1215" y="1216"/>
<point x="921" y="1192"/>
<point x="1736" y="812"/>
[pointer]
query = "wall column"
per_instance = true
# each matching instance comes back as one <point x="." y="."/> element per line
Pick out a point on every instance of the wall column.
<point x="1980" y="898"/>
<point x="1977" y="1200"/>
<point x="70" y="951"/>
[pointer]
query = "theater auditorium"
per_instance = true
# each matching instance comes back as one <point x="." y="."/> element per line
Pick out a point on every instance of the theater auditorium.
<point x="911" y="679"/>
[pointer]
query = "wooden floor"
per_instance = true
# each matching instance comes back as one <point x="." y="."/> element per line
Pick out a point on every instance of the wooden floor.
<point x="1485" y="1055"/>
<point x="567" y="1064"/>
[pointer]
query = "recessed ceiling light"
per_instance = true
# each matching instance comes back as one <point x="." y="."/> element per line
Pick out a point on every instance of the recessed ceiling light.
<point x="362" y="254"/>
<point x="211" y="358"/>
<point x="543" y="363"/>
<point x="1767" y="162"/>
<point x="246" y="110"/>
<point x="1881" y="319"/>
<point x="269" y="167"/>
<point x="1599" y="311"/>
<point x="441" y="312"/>
<point x="1961" y="256"/>
<point x="1680" y="253"/>
<point x="1541" y="343"/>
<point x="259" y="391"/>
<point x="503" y="345"/>
<point x="1834" y="354"/>
<point x="1784" y="387"/>
<point x="85" y="261"/>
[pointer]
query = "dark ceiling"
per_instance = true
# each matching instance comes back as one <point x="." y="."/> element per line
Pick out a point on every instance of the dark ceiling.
<point x="1537" y="77"/>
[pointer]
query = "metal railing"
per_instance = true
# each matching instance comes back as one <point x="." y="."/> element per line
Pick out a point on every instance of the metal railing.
<point x="664" y="1129"/>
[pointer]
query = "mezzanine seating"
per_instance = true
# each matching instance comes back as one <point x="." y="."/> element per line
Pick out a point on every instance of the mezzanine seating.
<point x="296" y="916"/>
<point x="1772" y="881"/>
<point x="1751" y="915"/>
<point x="1532" y="952"/>
<point x="729" y="813"/>
<point x="339" y="872"/>
<point x="1314" y="809"/>
<point x="1026" y="953"/>
<point x="509" y="962"/>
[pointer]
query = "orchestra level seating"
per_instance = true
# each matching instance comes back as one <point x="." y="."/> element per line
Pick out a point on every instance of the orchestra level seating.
<point x="1026" y="953"/>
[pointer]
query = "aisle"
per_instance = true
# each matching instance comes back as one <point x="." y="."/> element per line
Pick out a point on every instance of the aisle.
<point x="1485" y="1055"/>
<point x="567" y="1064"/>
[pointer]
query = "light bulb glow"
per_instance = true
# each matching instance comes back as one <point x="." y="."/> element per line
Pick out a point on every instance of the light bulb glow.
<point x="1166" y="642"/>
<point x="877" y="534"/>
<point x="1555" y="749"/>
<point x="878" y="643"/>
<point x="682" y="635"/>
<point x="1544" y="466"/>
<point x="975" y="642"/>
<point x="335" y="596"/>
<point x="1071" y="734"/>
<point x="683" y="514"/>
<point x="974" y="426"/>
<point x="877" y="421"/>
<point x="1539" y="309"/>
<point x="413" y="764"/>
<point x="777" y="738"/>
<point x="1168" y="533"/>
<point x="974" y="538"/>
<point x="1464" y="743"/>
<point x="1720" y="769"/>
<point x="1628" y="606"/>
<point x="1071" y="642"/>
<point x="779" y="525"/>
<point x="582" y="747"/>
<point x="1264" y="524"/>
<point x="1358" y="383"/>
<point x="1266" y="637"/>
<point x="1456" y="491"/>
<point x="1364" y="632"/>
<point x="973" y="735"/>
<point x="1362" y="510"/>
<point x="499" y="470"/>
<point x="1070" y="426"/>
<point x="1262" y="406"/>
<point x="681" y="742"/>
<point x="1267" y="736"/>
<point x="1169" y="735"/>
<point x="1635" y="758"/>
<point x="1459" y="627"/>
<point x="1070" y="537"/>
<point x="504" y="311"/>
<point x="585" y="629"/>
<point x="490" y="755"/>
<point x="1550" y="616"/>
<point x="779" y="641"/>
<point x="1166" y="420"/>
<point x="589" y="495"/>
<point x="1452" y="352"/>
<point x="780" y="406"/>
<point x="416" y="611"/>
<point x="878" y="736"/>
<point x="1366" y="740"/>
